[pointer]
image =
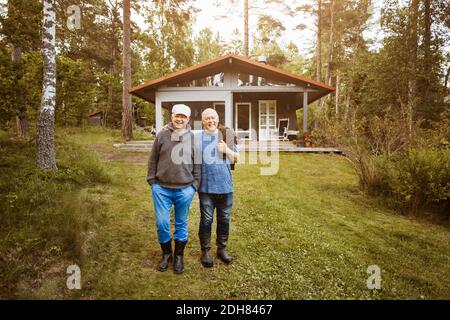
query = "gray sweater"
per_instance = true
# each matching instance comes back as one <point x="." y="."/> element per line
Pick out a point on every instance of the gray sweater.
<point x="175" y="160"/>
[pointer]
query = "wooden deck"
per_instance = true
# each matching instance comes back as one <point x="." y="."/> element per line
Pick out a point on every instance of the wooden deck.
<point x="252" y="146"/>
<point x="282" y="146"/>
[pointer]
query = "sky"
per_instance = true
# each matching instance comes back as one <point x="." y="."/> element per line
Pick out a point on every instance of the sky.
<point x="211" y="15"/>
<point x="222" y="17"/>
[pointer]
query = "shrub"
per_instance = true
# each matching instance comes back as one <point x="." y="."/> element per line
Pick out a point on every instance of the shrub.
<point x="416" y="178"/>
<point x="411" y="170"/>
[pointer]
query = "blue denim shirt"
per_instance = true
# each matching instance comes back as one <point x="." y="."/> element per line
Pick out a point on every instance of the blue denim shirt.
<point x="216" y="171"/>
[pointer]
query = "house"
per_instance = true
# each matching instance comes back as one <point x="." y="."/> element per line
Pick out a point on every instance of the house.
<point x="251" y="97"/>
<point x="96" y="117"/>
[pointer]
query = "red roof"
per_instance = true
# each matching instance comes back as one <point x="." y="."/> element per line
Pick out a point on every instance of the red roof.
<point x="94" y="113"/>
<point x="147" y="89"/>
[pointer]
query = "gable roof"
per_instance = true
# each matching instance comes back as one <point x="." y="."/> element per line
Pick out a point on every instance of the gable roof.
<point x="94" y="113"/>
<point x="147" y="90"/>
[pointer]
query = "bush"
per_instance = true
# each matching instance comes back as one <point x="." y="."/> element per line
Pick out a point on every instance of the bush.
<point x="410" y="171"/>
<point x="416" y="178"/>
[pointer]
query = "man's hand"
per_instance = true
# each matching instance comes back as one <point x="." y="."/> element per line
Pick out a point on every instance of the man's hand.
<point x="222" y="147"/>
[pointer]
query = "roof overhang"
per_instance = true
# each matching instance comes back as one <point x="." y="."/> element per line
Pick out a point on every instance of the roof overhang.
<point x="232" y="62"/>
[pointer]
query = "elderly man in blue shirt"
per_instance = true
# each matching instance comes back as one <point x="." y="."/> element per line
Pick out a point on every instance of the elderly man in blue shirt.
<point x="216" y="187"/>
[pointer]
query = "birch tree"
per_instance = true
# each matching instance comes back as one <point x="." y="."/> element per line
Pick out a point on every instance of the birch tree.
<point x="46" y="158"/>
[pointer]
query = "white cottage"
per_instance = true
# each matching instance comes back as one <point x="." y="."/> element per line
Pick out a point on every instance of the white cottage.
<point x="257" y="100"/>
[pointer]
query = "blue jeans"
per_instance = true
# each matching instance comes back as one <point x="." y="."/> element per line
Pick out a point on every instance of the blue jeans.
<point x="222" y="203"/>
<point x="163" y="199"/>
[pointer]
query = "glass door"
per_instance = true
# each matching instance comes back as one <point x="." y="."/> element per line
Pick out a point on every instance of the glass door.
<point x="242" y="120"/>
<point x="267" y="120"/>
<point x="220" y="109"/>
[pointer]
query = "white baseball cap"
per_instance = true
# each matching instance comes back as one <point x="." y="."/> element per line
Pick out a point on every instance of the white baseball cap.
<point x="181" y="109"/>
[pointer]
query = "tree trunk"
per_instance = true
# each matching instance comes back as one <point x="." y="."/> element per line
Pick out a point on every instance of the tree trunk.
<point x="246" y="51"/>
<point x="127" y="116"/>
<point x="330" y="42"/>
<point x="412" y="79"/>
<point x="318" y="58"/>
<point x="112" y="72"/>
<point x="427" y="52"/>
<point x="328" y="76"/>
<point x="21" y="111"/>
<point x="427" y="35"/>
<point x="46" y="157"/>
<point x="114" y="16"/>
<point x="319" y="42"/>
<point x="362" y="10"/>
<point x="22" y="126"/>
<point x="338" y="80"/>
<point x="446" y="78"/>
<point x="347" y="105"/>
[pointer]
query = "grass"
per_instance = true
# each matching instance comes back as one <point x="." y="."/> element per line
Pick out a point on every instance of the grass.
<point x="44" y="216"/>
<point x="305" y="233"/>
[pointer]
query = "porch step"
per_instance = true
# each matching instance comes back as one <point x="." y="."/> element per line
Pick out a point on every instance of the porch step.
<point x="135" y="146"/>
<point x="274" y="148"/>
<point x="146" y="146"/>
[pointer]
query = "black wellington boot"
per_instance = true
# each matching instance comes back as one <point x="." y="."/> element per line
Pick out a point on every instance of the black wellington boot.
<point x="178" y="264"/>
<point x="222" y="253"/>
<point x="166" y="256"/>
<point x="205" y="244"/>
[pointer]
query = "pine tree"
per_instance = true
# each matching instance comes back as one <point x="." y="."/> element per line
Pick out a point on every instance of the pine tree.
<point x="127" y="115"/>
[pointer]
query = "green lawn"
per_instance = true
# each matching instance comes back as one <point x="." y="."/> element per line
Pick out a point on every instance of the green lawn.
<point x="306" y="233"/>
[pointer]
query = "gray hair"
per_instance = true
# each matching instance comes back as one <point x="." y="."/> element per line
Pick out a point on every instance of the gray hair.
<point x="209" y="110"/>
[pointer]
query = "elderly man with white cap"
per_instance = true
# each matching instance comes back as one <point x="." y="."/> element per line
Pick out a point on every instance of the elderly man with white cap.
<point x="174" y="174"/>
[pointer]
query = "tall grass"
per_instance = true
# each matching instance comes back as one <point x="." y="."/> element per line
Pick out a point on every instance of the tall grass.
<point x="42" y="214"/>
<point x="410" y="169"/>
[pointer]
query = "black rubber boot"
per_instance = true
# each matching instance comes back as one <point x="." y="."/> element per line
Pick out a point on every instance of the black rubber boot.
<point x="205" y="244"/>
<point x="178" y="264"/>
<point x="222" y="253"/>
<point x="166" y="256"/>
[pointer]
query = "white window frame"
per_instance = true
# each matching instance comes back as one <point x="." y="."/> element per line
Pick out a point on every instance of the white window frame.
<point x="249" y="131"/>
<point x="274" y="135"/>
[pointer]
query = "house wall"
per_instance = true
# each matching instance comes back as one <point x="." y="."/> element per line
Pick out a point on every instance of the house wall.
<point x="95" y="120"/>
<point x="287" y="103"/>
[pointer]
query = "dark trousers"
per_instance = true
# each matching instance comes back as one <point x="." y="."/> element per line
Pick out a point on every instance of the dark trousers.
<point x="222" y="203"/>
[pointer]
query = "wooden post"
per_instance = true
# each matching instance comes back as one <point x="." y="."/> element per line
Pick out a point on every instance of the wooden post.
<point x="305" y="112"/>
<point x="158" y="114"/>
<point x="229" y="110"/>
